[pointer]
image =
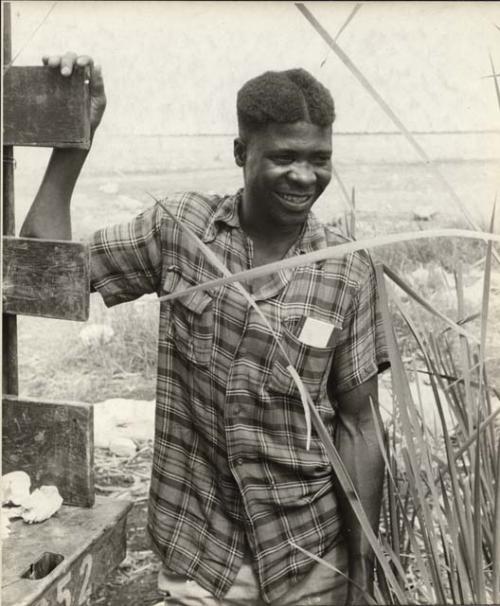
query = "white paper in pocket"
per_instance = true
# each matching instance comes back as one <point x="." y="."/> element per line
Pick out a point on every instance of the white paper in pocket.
<point x="316" y="333"/>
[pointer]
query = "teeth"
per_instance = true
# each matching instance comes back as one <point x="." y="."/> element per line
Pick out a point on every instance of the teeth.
<point x="294" y="198"/>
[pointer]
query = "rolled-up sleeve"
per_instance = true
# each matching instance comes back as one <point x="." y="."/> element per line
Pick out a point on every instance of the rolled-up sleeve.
<point x="361" y="350"/>
<point x="126" y="259"/>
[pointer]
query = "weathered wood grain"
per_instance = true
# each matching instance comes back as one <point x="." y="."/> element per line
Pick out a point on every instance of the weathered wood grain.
<point x="9" y="323"/>
<point x="139" y="589"/>
<point x="137" y="535"/>
<point x="43" y="108"/>
<point x="53" y="442"/>
<point x="91" y="541"/>
<point x="46" y="278"/>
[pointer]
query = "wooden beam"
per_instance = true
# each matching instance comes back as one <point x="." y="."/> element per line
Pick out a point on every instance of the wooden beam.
<point x="53" y="442"/>
<point x="88" y="543"/>
<point x="43" y="108"/>
<point x="46" y="278"/>
<point x="9" y="323"/>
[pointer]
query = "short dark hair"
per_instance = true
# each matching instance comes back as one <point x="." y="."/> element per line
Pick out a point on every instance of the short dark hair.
<point x="287" y="96"/>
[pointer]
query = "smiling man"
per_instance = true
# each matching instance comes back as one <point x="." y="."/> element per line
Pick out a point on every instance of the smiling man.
<point x="233" y="487"/>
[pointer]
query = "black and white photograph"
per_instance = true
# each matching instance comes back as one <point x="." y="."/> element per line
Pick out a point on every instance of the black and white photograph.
<point x="250" y="303"/>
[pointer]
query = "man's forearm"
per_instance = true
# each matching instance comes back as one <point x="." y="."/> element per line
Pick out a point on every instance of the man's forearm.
<point x="49" y="216"/>
<point x="357" y="443"/>
<point x="360" y="452"/>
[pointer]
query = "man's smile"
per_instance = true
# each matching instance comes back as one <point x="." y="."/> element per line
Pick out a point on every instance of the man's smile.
<point x="295" y="200"/>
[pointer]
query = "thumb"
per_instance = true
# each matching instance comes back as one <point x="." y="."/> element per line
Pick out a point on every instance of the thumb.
<point x="96" y="81"/>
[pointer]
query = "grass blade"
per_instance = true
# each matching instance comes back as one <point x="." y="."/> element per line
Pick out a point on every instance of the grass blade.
<point x="343" y="188"/>
<point x="495" y="560"/>
<point x="387" y="109"/>
<point x="331" y="252"/>
<point x="393" y="490"/>
<point x="430" y="308"/>
<point x="478" y="522"/>
<point x="411" y="433"/>
<point x="367" y="596"/>
<point x="495" y="79"/>
<point x="355" y="503"/>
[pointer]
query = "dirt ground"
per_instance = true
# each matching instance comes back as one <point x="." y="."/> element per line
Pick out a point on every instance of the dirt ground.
<point x="134" y="582"/>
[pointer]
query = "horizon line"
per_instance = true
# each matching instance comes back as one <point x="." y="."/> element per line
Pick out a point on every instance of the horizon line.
<point x="335" y="133"/>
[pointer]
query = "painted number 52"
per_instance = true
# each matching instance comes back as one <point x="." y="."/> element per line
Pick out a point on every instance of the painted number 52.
<point x="63" y="590"/>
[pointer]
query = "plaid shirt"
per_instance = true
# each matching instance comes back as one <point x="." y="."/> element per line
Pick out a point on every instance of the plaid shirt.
<point x="231" y="474"/>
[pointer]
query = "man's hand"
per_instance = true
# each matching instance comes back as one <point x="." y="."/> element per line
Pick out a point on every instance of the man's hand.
<point x="70" y="61"/>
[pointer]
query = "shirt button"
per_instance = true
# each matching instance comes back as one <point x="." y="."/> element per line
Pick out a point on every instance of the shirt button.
<point x="240" y="461"/>
<point x="237" y="410"/>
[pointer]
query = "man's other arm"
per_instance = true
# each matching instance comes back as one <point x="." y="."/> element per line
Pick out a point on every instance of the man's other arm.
<point x="357" y="443"/>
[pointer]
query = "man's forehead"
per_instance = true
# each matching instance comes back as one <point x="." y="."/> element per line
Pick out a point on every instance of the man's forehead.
<point x="295" y="133"/>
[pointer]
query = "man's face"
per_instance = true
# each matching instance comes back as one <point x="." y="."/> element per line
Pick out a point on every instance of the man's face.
<point x="286" y="169"/>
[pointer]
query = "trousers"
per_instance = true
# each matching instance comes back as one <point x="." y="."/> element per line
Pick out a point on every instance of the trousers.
<point x="321" y="586"/>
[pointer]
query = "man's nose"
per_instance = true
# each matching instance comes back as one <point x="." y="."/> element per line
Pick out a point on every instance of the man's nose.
<point x="302" y="173"/>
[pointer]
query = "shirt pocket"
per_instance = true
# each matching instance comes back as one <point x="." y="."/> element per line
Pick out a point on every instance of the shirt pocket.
<point x="191" y="320"/>
<point x="311" y="363"/>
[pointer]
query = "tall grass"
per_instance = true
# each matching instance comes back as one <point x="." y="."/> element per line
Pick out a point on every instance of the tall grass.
<point x="441" y="516"/>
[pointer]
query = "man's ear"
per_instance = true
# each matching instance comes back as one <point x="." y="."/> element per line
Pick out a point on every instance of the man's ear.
<point x="240" y="152"/>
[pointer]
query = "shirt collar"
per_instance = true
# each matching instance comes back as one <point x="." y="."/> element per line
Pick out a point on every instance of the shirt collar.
<point x="226" y="212"/>
<point x="312" y="237"/>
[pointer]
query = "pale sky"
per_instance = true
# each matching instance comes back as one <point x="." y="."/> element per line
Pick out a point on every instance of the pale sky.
<point x="175" y="67"/>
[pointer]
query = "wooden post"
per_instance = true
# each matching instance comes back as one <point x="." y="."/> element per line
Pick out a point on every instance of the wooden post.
<point x="9" y="322"/>
<point x="66" y="557"/>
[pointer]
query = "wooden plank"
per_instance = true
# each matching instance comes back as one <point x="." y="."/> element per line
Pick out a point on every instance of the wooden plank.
<point x="53" y="442"/>
<point x="136" y="589"/>
<point x="9" y="323"/>
<point x="43" y="108"/>
<point x="46" y="278"/>
<point x="137" y="521"/>
<point x="92" y="542"/>
<point x="10" y="380"/>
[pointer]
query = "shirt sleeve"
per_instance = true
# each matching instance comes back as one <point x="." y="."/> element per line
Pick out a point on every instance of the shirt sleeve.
<point x="361" y="349"/>
<point x="126" y="259"/>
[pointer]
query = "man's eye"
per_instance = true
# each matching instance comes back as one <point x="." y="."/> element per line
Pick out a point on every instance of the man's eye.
<point x="282" y="160"/>
<point x="322" y="160"/>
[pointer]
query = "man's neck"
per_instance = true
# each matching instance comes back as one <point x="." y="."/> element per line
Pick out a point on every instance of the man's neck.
<point x="271" y="241"/>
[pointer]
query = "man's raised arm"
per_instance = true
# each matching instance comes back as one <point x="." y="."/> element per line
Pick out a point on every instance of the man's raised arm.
<point x="49" y="216"/>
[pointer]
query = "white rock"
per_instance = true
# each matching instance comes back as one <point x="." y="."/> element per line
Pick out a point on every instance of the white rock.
<point x="15" y="487"/>
<point x="42" y="504"/>
<point x="110" y="188"/>
<point x="424" y="212"/>
<point x="122" y="447"/>
<point x="94" y="335"/>
<point x="123" y="418"/>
